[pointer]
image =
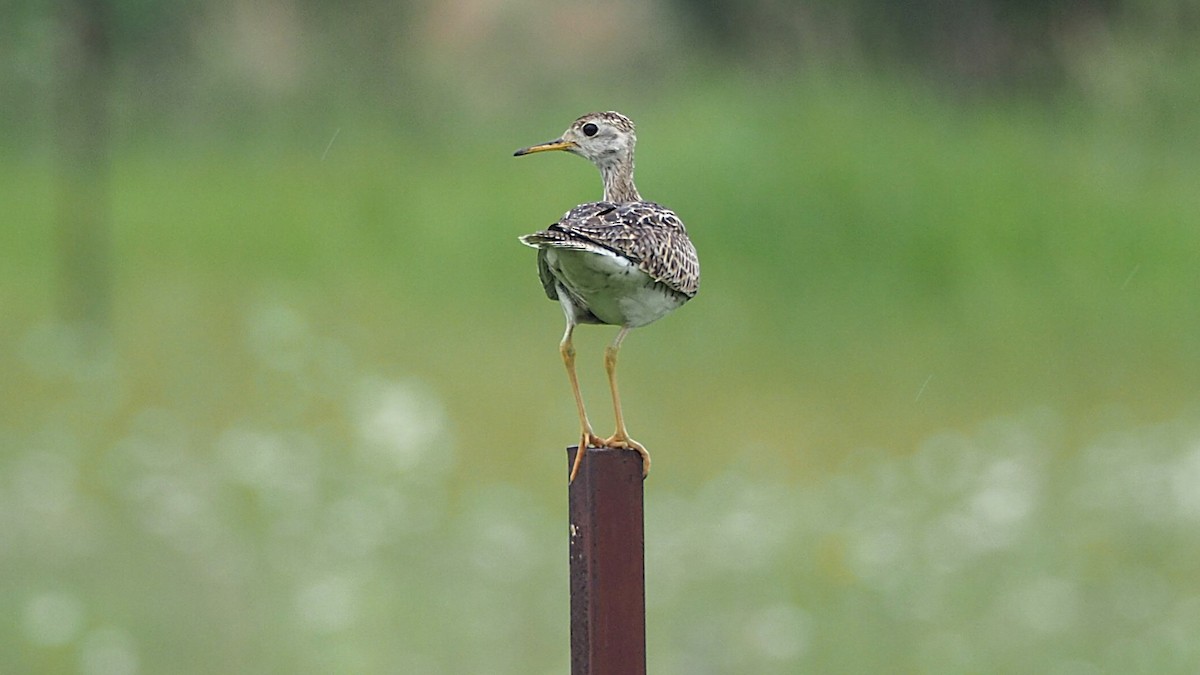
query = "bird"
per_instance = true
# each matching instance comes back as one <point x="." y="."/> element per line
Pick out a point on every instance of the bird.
<point x="620" y="261"/>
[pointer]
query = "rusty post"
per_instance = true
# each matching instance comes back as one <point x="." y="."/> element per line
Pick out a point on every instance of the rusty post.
<point x="608" y="587"/>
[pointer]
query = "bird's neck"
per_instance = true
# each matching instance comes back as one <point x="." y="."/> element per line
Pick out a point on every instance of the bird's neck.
<point x="618" y="181"/>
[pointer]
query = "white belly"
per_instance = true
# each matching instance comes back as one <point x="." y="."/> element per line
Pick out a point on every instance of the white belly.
<point x="611" y="287"/>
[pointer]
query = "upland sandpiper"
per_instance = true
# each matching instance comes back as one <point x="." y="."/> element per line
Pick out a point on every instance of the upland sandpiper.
<point x="621" y="261"/>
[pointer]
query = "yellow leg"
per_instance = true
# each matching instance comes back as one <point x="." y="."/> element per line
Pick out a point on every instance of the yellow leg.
<point x="586" y="437"/>
<point x="621" y="439"/>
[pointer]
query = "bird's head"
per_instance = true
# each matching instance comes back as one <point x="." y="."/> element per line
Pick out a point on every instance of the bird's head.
<point x="605" y="138"/>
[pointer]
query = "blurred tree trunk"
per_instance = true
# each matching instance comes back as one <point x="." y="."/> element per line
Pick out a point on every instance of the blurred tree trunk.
<point x="81" y="130"/>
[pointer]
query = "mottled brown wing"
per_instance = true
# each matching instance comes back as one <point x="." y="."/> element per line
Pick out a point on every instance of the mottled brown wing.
<point x="649" y="235"/>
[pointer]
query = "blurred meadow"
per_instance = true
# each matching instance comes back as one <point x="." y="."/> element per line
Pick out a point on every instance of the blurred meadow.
<point x="280" y="391"/>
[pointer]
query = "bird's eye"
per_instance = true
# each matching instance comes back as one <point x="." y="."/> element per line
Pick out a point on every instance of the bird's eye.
<point x="590" y="129"/>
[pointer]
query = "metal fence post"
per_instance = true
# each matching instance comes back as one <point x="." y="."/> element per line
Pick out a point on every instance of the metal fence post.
<point x="607" y="551"/>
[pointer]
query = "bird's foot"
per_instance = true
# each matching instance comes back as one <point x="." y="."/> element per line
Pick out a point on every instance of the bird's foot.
<point x="622" y="441"/>
<point x="587" y="439"/>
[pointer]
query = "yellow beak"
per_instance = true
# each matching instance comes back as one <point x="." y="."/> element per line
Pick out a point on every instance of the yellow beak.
<point x="559" y="144"/>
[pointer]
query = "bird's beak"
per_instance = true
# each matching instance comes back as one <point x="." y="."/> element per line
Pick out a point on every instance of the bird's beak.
<point x="559" y="144"/>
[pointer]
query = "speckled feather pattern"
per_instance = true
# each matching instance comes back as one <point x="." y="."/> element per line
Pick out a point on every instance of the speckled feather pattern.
<point x="612" y="117"/>
<point x="635" y="234"/>
<point x="645" y="233"/>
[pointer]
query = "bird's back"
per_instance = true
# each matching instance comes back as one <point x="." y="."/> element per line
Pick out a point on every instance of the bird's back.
<point x="646" y="234"/>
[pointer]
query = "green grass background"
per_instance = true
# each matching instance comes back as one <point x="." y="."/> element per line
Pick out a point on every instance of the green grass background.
<point x="935" y="408"/>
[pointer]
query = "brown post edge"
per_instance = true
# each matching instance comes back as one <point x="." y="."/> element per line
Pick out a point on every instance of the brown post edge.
<point x="607" y="556"/>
